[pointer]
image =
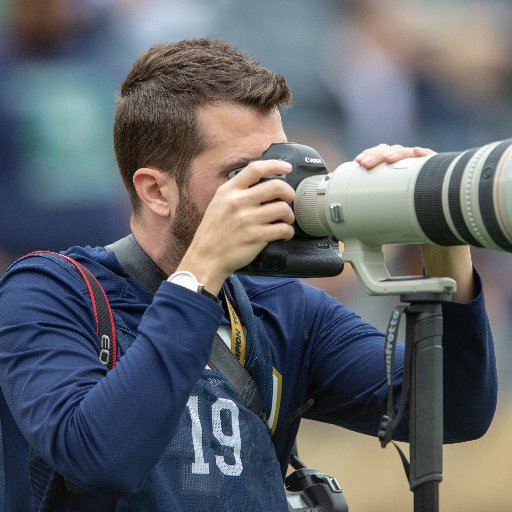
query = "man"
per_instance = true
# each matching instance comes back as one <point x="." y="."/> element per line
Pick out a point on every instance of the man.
<point x="163" y="430"/>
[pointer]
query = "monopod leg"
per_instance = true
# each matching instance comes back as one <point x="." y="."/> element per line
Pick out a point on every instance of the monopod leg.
<point x="424" y="331"/>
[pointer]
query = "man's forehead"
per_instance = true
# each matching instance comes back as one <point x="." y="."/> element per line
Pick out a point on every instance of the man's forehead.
<point x="230" y="127"/>
<point x="223" y="118"/>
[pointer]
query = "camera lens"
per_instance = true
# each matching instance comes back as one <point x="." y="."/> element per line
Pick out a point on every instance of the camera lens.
<point x="447" y="199"/>
<point x="457" y="197"/>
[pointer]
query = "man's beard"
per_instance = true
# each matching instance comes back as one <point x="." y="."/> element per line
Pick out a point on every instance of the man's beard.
<point x="183" y="228"/>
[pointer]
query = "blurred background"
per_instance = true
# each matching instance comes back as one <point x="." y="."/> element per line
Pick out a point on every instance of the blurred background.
<point x="416" y="72"/>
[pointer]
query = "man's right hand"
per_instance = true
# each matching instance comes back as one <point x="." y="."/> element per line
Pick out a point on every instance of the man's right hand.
<point x="244" y="215"/>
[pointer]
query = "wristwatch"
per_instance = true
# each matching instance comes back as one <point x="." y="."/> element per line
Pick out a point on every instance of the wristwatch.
<point x="189" y="281"/>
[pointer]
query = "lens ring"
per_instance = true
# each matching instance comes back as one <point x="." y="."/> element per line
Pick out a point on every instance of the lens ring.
<point x="428" y="199"/>
<point x="486" y="195"/>
<point x="454" y="199"/>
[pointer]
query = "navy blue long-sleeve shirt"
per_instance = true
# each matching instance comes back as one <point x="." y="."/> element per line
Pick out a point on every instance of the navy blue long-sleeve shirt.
<point x="107" y="431"/>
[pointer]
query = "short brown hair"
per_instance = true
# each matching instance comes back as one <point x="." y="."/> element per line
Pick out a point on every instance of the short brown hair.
<point x="155" y="123"/>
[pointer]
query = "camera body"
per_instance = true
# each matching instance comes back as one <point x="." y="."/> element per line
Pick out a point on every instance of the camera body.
<point x="308" y="490"/>
<point x="445" y="199"/>
<point x="304" y="255"/>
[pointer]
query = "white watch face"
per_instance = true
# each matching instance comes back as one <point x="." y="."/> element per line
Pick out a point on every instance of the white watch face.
<point x="185" y="279"/>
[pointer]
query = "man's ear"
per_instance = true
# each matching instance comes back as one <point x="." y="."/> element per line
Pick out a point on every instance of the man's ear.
<point x="157" y="190"/>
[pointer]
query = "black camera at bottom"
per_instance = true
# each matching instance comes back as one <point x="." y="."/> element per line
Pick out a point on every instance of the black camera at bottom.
<point x="308" y="490"/>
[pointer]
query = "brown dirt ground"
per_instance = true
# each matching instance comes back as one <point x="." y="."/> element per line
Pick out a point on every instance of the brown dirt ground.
<point x="477" y="475"/>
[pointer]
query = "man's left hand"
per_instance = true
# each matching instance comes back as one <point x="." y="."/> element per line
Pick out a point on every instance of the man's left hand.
<point x="439" y="261"/>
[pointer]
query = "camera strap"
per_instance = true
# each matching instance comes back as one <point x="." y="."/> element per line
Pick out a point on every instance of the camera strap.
<point x="391" y="418"/>
<point x="105" y="327"/>
<point x="238" y="344"/>
<point x="104" y="319"/>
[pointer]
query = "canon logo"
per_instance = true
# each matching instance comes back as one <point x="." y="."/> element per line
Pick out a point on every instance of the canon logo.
<point x="310" y="160"/>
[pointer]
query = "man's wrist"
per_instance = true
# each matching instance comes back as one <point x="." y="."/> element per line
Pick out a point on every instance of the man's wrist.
<point x="188" y="280"/>
<point x="454" y="262"/>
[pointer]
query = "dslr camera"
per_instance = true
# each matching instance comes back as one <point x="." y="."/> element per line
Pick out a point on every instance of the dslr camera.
<point x="445" y="199"/>
<point x="308" y="490"/>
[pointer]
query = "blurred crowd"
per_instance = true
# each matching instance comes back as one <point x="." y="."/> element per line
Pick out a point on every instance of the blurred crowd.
<point x="416" y="72"/>
<point x="430" y="73"/>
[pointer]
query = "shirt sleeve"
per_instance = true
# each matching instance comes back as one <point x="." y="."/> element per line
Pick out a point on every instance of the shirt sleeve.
<point x="102" y="430"/>
<point x="347" y="373"/>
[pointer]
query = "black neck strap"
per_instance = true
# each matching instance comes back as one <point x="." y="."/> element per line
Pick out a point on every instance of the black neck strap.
<point x="136" y="263"/>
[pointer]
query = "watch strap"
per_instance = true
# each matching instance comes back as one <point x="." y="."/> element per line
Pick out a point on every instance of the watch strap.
<point x="206" y="293"/>
<point x="188" y="280"/>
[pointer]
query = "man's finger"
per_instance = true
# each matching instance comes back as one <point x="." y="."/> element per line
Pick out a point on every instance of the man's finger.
<point x="385" y="153"/>
<point x="253" y="173"/>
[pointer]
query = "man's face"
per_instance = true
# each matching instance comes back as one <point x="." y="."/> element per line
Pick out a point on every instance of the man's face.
<point x="234" y="135"/>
